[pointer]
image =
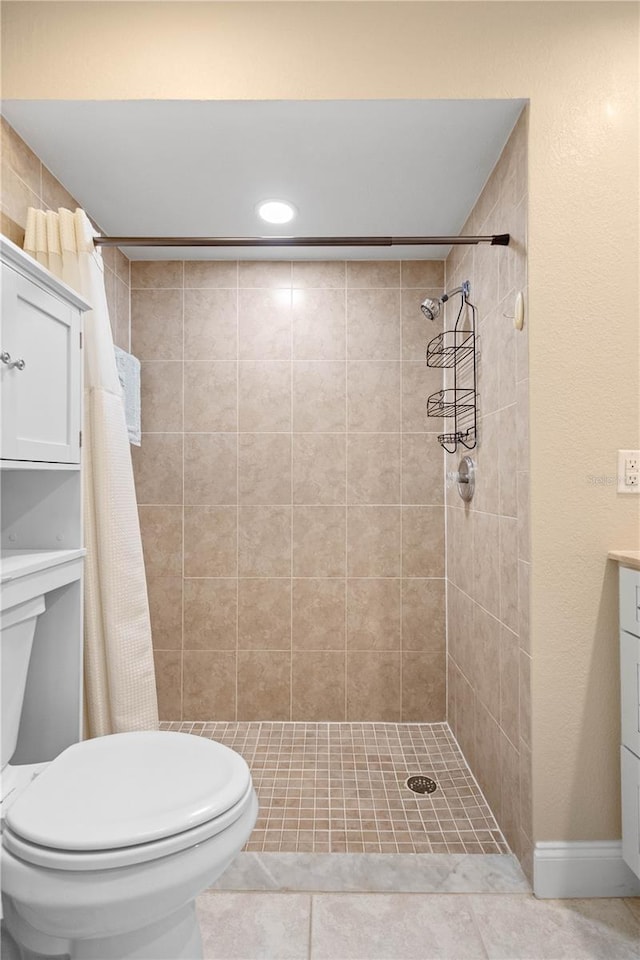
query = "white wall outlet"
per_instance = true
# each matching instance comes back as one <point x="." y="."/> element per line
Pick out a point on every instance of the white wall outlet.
<point x="628" y="471"/>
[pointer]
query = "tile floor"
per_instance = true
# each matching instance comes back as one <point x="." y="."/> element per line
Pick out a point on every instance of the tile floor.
<point x="340" y="788"/>
<point x="296" y="926"/>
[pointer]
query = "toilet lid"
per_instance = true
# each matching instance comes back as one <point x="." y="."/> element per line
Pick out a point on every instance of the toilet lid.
<point x="128" y="788"/>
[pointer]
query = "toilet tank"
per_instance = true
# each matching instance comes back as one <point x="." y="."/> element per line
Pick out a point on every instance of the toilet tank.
<point x="17" y="629"/>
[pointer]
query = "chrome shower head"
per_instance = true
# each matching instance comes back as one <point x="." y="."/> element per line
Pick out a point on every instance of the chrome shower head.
<point x="431" y="308"/>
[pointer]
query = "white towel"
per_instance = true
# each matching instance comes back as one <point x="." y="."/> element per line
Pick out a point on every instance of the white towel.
<point x="129" y="376"/>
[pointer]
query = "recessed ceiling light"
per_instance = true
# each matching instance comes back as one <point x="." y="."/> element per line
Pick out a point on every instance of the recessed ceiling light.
<point x="276" y="211"/>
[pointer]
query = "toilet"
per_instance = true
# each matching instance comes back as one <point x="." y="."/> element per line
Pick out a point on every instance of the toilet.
<point x="106" y="847"/>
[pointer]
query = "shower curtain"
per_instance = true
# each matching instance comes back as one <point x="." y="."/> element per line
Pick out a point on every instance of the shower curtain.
<point x="119" y="681"/>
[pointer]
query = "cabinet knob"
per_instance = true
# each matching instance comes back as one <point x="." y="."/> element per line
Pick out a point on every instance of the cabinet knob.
<point x="6" y="358"/>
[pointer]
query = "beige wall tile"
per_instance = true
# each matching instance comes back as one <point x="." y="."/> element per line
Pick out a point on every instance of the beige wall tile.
<point x="507" y="450"/>
<point x="210" y="468"/>
<point x="509" y="572"/>
<point x="373" y="391"/>
<point x="264" y="273"/>
<point x="373" y="468"/>
<point x="509" y="694"/>
<point x="423" y="687"/>
<point x="373" y="614"/>
<point x="319" y="324"/>
<point x="165" y="608"/>
<point x="487" y="642"/>
<point x="466" y="721"/>
<point x="264" y="324"/>
<point x="373" y="324"/>
<point x="264" y="685"/>
<point x="122" y="266"/>
<point x="122" y="336"/>
<point x="319" y="544"/>
<point x="54" y="194"/>
<point x="487" y="758"/>
<point x="210" y="397"/>
<point x="209" y="685"/>
<point x="319" y="468"/>
<point x="20" y="158"/>
<point x="210" y="540"/>
<point x="16" y="196"/>
<point x="264" y="397"/>
<point x="318" y="612"/>
<point x="264" y="468"/>
<point x="318" y="689"/>
<point x="487" y="495"/>
<point x="523" y="604"/>
<point x="373" y="686"/>
<point x="524" y="688"/>
<point x="486" y="584"/>
<point x="156" y="324"/>
<point x="161" y="529"/>
<point x="510" y="791"/>
<point x="156" y="273"/>
<point x="319" y="397"/>
<point x="422" y="469"/>
<point x="423" y="616"/>
<point x="422" y="273"/>
<point x="157" y="468"/>
<point x="422" y="542"/>
<point x="264" y="614"/>
<point x="210" y="614"/>
<point x="210" y="325"/>
<point x="161" y="397"/>
<point x="373" y="273"/>
<point x="264" y="541"/>
<point x="418" y="383"/>
<point x="373" y="541"/>
<point x="211" y="273"/>
<point x="319" y="273"/>
<point x="168" y="667"/>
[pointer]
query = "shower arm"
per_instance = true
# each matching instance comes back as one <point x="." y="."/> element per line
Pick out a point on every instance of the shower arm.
<point x="464" y="289"/>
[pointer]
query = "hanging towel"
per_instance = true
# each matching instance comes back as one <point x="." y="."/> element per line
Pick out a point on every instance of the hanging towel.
<point x="129" y="376"/>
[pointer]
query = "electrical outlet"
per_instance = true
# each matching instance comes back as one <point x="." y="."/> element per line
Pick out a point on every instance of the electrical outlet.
<point x="628" y="471"/>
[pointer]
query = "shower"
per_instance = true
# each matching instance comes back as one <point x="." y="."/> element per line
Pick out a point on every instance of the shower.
<point x="431" y="307"/>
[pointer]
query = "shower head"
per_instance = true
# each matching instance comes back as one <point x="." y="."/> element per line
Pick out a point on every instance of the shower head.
<point x="431" y="308"/>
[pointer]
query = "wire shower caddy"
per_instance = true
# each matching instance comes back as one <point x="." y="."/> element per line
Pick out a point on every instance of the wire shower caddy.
<point x="455" y="350"/>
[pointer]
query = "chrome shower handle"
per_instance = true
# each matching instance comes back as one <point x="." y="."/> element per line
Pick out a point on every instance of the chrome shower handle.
<point x="6" y="358"/>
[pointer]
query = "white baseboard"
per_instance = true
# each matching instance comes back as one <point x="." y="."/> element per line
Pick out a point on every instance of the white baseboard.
<point x="584" y="869"/>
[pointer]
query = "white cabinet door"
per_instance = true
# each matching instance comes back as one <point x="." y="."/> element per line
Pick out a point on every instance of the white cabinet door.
<point x="630" y="765"/>
<point x="41" y="401"/>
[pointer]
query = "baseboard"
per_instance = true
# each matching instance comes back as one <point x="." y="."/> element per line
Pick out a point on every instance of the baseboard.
<point x="583" y="869"/>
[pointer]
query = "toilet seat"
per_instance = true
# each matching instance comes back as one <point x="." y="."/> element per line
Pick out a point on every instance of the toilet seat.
<point x="127" y="798"/>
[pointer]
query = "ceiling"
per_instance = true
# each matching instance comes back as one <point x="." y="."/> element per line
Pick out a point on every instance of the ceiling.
<point x="198" y="168"/>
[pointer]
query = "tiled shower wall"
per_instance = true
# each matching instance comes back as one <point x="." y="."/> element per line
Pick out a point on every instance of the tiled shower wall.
<point x="488" y="540"/>
<point x="26" y="182"/>
<point x="291" y="498"/>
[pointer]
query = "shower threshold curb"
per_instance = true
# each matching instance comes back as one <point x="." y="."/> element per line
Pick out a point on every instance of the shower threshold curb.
<point x="375" y="873"/>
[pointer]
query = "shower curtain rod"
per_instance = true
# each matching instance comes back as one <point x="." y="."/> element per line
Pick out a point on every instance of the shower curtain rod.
<point x="496" y="240"/>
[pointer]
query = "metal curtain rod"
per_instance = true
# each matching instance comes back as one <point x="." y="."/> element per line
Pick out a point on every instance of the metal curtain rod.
<point x="496" y="240"/>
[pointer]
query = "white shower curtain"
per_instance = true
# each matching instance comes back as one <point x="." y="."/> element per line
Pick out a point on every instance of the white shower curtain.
<point x="119" y="682"/>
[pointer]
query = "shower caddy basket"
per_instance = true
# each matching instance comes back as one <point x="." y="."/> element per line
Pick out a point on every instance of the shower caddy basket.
<point x="455" y="350"/>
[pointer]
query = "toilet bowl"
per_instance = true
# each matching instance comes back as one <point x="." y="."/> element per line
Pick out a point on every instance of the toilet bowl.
<point x="105" y="851"/>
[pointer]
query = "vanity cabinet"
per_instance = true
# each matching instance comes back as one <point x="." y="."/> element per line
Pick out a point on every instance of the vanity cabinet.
<point x="630" y="726"/>
<point x="40" y="364"/>
<point x="41" y="493"/>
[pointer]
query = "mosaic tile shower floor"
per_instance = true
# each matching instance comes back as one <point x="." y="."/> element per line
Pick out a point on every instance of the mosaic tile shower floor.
<point x="341" y="788"/>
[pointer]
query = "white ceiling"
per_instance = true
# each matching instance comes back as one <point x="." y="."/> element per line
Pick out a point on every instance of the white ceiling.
<point x="198" y="168"/>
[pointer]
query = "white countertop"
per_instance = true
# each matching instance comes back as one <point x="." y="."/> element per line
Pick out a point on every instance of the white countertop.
<point x="19" y="563"/>
<point x="626" y="558"/>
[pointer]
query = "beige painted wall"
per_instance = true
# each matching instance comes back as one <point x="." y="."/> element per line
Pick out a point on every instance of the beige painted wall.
<point x="578" y="63"/>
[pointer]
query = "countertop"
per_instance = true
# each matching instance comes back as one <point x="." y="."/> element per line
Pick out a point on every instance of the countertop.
<point x="626" y="558"/>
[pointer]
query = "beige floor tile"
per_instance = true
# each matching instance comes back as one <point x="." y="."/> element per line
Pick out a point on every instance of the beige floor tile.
<point x="514" y="927"/>
<point x="393" y="927"/>
<point x="254" y="926"/>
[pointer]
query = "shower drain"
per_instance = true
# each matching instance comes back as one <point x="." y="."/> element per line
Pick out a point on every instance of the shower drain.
<point x="422" y="784"/>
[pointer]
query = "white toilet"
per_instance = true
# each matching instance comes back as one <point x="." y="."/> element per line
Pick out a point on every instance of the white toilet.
<point x="105" y="848"/>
